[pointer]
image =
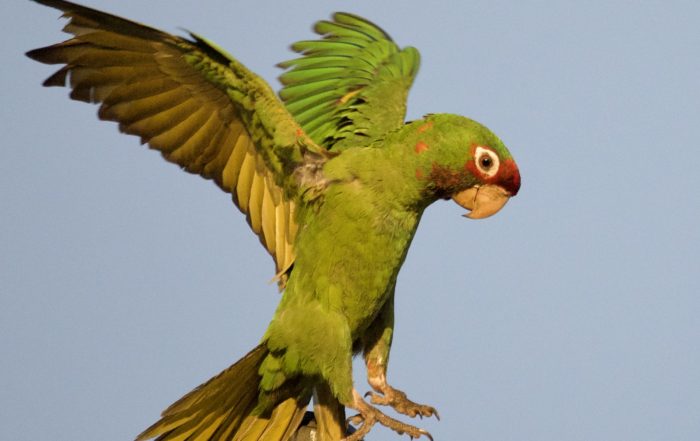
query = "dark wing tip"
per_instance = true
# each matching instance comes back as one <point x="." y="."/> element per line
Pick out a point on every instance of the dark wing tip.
<point x="36" y="54"/>
<point x="109" y="22"/>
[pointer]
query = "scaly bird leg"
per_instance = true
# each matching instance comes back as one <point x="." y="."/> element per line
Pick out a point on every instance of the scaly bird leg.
<point x="368" y="416"/>
<point x="388" y="396"/>
<point x="376" y="345"/>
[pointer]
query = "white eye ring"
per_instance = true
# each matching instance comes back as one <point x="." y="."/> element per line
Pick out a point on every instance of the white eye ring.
<point x="486" y="161"/>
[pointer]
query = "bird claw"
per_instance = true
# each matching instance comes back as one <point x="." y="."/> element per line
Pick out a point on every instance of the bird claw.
<point x="400" y="403"/>
<point x="368" y="416"/>
<point x="355" y="420"/>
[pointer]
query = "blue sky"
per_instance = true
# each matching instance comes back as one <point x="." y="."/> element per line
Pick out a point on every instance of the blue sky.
<point x="571" y="315"/>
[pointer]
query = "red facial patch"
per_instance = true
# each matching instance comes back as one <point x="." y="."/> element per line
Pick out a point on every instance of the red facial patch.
<point x="421" y="147"/>
<point x="471" y="166"/>
<point x="419" y="174"/>
<point x="508" y="175"/>
<point x="447" y="180"/>
<point x="426" y="126"/>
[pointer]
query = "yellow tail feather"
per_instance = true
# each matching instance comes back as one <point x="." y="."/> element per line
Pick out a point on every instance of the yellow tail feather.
<point x="329" y="414"/>
<point x="226" y="407"/>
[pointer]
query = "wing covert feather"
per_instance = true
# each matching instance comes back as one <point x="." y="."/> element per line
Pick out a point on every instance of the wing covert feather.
<point x="198" y="106"/>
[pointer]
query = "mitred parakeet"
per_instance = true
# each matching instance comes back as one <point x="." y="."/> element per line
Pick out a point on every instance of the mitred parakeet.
<point x="330" y="178"/>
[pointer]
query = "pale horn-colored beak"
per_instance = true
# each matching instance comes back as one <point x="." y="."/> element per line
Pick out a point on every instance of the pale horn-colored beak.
<point x="482" y="201"/>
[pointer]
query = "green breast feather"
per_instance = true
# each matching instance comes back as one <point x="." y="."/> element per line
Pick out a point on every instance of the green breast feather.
<point x="331" y="180"/>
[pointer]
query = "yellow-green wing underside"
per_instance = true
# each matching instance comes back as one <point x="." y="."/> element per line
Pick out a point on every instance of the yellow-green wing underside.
<point x="195" y="104"/>
<point x="350" y="87"/>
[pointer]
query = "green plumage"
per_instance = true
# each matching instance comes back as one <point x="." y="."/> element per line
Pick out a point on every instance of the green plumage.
<point x="331" y="180"/>
<point x="351" y="86"/>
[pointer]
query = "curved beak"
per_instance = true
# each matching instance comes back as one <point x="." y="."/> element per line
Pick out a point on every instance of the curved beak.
<point x="482" y="201"/>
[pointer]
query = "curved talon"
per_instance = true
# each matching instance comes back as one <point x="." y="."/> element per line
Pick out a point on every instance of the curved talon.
<point x="355" y="419"/>
<point x="400" y="402"/>
<point x="369" y="416"/>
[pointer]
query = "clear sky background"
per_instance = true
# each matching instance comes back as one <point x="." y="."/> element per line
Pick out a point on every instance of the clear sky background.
<point x="571" y="315"/>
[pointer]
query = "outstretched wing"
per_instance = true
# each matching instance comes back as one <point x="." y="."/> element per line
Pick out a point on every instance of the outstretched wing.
<point x="195" y="104"/>
<point x="350" y="87"/>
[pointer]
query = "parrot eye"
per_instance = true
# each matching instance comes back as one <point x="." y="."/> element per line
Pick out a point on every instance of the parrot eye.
<point x="486" y="161"/>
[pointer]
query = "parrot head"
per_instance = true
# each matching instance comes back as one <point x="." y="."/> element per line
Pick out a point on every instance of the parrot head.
<point x="465" y="161"/>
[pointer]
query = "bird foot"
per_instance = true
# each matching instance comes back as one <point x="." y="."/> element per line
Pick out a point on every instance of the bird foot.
<point x="399" y="402"/>
<point x="369" y="415"/>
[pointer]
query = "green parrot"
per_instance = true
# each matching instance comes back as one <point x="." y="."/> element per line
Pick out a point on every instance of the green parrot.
<point x="330" y="178"/>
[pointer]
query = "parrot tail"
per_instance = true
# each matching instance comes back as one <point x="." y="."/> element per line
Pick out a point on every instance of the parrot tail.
<point x="227" y="408"/>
